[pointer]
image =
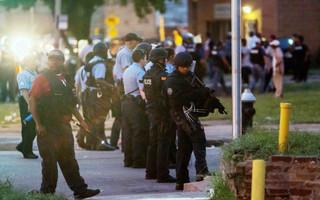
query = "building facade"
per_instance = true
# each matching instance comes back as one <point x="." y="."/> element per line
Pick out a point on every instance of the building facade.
<point x="279" y="17"/>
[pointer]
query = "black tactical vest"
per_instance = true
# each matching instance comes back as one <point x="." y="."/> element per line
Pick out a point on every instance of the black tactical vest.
<point x="59" y="102"/>
<point x="216" y="58"/>
<point x="153" y="81"/>
<point x="256" y="56"/>
<point x="91" y="81"/>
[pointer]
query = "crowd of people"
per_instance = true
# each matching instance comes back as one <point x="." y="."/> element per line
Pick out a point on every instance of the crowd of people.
<point x="262" y="61"/>
<point x="265" y="60"/>
<point x="152" y="94"/>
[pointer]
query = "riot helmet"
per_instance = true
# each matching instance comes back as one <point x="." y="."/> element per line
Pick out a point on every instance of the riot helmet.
<point x="146" y="47"/>
<point x="157" y="54"/>
<point x="100" y="49"/>
<point x="187" y="36"/>
<point x="182" y="59"/>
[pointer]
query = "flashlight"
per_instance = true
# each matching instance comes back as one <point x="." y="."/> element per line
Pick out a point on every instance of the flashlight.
<point x="28" y="119"/>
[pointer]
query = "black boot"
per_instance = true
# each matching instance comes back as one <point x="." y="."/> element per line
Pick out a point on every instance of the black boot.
<point x="169" y="179"/>
<point x="86" y="194"/>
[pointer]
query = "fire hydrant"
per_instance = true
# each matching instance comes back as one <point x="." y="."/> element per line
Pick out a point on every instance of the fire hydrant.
<point x="247" y="99"/>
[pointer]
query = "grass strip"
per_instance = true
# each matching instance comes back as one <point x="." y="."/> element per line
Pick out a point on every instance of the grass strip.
<point x="8" y="192"/>
<point x="220" y="189"/>
<point x="262" y="143"/>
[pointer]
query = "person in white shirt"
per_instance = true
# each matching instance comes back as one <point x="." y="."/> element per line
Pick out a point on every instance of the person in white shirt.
<point x="278" y="68"/>
<point x="246" y="66"/>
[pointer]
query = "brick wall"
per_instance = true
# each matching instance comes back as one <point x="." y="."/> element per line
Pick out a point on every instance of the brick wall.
<point x="279" y="17"/>
<point x="287" y="177"/>
<point x="301" y="17"/>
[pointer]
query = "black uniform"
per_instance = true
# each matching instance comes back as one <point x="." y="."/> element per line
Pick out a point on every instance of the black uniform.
<point x="197" y="53"/>
<point x="191" y="136"/>
<point x="57" y="145"/>
<point x="299" y="63"/>
<point x="97" y="102"/>
<point x="160" y="124"/>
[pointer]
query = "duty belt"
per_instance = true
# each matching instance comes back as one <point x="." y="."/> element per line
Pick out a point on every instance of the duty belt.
<point x="132" y="98"/>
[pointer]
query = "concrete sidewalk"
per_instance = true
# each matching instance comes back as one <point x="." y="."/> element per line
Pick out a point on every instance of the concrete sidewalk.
<point x="217" y="132"/>
<point x="103" y="170"/>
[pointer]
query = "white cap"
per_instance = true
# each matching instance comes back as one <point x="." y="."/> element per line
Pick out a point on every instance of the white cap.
<point x="247" y="96"/>
<point x="275" y="43"/>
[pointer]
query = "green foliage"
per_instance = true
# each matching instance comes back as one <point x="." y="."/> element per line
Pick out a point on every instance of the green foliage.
<point x="262" y="143"/>
<point x="10" y="4"/>
<point x="7" y="192"/>
<point x="80" y="11"/>
<point x="220" y="188"/>
<point x="304" y="99"/>
<point x="79" y="15"/>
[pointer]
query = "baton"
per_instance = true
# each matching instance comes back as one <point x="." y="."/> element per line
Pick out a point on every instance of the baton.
<point x="102" y="142"/>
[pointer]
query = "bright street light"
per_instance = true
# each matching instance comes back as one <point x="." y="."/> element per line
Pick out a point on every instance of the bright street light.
<point x="246" y="9"/>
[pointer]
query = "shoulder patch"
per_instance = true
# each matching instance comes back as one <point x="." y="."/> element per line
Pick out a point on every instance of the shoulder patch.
<point x="169" y="91"/>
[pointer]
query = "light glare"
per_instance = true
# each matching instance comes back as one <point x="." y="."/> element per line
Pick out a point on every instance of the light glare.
<point x="246" y="9"/>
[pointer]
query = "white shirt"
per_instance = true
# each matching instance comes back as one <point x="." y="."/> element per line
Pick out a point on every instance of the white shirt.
<point x="277" y="58"/>
<point x="124" y="59"/>
<point x="246" y="57"/>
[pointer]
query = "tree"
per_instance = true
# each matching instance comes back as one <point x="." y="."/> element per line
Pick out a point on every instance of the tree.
<point x="79" y="15"/>
<point x="80" y="11"/>
<point x="10" y="4"/>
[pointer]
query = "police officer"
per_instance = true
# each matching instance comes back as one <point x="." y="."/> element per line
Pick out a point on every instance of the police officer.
<point x="191" y="137"/>
<point x="135" y="121"/>
<point x="80" y="86"/>
<point x="173" y="149"/>
<point x="147" y="48"/>
<point x="159" y="139"/>
<point x="187" y="44"/>
<point x="123" y="61"/>
<point x="52" y="104"/>
<point x="195" y="50"/>
<point x="124" y="56"/>
<point x="98" y="94"/>
<point x="25" y="79"/>
<point x="219" y="62"/>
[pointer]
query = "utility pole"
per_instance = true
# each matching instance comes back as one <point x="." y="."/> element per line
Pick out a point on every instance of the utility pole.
<point x="31" y="10"/>
<point x="57" y="12"/>
<point x="236" y="68"/>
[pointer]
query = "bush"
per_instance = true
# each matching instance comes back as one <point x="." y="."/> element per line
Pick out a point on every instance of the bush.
<point x="262" y="143"/>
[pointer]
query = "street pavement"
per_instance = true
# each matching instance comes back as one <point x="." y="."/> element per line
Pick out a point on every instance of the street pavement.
<point x="104" y="170"/>
<point x="101" y="169"/>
